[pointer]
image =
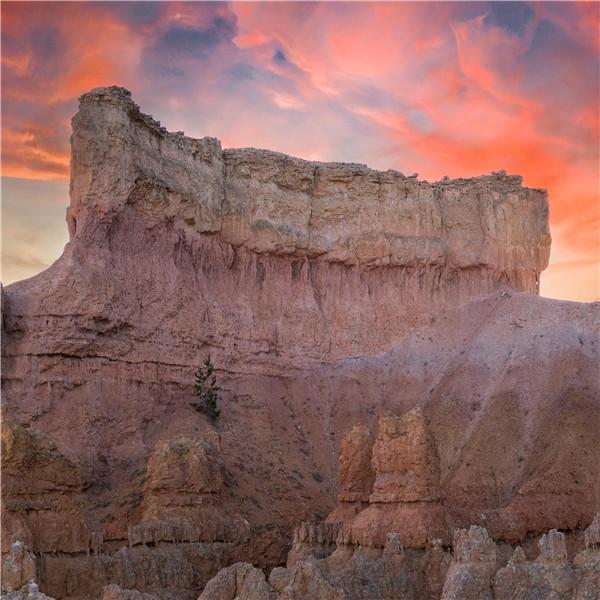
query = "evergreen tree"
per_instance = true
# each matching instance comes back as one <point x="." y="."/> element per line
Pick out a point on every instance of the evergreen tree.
<point x="207" y="390"/>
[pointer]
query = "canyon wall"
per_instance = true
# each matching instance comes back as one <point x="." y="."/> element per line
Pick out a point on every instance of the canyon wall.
<point x="326" y="294"/>
<point x="398" y="547"/>
<point x="276" y="261"/>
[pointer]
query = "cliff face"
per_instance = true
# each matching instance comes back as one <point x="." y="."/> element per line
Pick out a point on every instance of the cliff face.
<point x="285" y="261"/>
<point x="271" y="203"/>
<point x="325" y="293"/>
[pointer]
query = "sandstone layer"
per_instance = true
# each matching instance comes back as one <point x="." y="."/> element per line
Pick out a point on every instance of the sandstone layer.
<point x="326" y="294"/>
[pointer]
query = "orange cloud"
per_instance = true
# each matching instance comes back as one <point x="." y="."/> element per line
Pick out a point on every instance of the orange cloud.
<point x="452" y="89"/>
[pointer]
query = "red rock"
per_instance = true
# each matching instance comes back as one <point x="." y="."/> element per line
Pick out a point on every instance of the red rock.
<point x="405" y="460"/>
<point x="42" y="498"/>
<point x="405" y="495"/>
<point x="355" y="474"/>
<point x="324" y="292"/>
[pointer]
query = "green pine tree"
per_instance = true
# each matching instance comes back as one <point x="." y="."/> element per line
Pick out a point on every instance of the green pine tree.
<point x="207" y="390"/>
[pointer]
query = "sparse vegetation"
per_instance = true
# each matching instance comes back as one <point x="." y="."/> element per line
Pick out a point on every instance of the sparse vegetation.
<point x="207" y="390"/>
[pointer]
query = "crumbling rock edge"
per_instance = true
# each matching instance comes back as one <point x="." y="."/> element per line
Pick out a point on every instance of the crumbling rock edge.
<point x="271" y="203"/>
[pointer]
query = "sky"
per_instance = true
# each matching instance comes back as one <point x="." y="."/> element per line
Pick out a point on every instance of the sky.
<point x="449" y="88"/>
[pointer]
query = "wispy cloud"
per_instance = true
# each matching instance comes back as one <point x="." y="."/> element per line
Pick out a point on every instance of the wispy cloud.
<point x="439" y="88"/>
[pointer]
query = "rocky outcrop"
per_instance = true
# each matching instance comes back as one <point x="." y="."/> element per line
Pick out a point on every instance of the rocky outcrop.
<point x="355" y="474"/>
<point x="405" y="460"/>
<point x="27" y="592"/>
<point x="18" y="567"/>
<point x="405" y="491"/>
<point x="325" y="294"/>
<point x="549" y="576"/>
<point x="473" y="573"/>
<point x="269" y="203"/>
<point x="240" y="581"/>
<point x="184" y="481"/>
<point x="347" y="550"/>
<point x="42" y="498"/>
<point x="43" y="504"/>
<point x="114" y="592"/>
<point x="587" y="565"/>
<point x="284" y="254"/>
<point x="183" y="474"/>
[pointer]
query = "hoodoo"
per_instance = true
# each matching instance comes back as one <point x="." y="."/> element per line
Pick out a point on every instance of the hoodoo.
<point x="330" y="297"/>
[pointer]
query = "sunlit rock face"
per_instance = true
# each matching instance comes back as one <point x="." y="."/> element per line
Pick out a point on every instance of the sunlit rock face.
<point x="285" y="260"/>
<point x="325" y="293"/>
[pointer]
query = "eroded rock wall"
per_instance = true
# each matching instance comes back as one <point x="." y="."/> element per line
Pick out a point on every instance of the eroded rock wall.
<point x="271" y="203"/>
<point x="471" y="570"/>
<point x="277" y="259"/>
<point x="325" y="293"/>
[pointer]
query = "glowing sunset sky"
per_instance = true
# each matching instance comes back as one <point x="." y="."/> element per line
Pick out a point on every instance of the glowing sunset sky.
<point x="455" y="89"/>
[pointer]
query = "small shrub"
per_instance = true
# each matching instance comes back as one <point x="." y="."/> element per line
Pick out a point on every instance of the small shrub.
<point x="207" y="390"/>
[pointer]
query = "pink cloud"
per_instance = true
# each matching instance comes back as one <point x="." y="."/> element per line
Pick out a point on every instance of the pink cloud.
<point x="442" y="88"/>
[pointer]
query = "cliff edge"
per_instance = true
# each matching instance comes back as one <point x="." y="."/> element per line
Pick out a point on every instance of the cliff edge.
<point x="271" y="203"/>
<point x="286" y="262"/>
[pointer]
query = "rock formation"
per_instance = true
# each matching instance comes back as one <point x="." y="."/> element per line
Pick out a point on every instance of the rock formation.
<point x="27" y="592"/>
<point x="18" y="567"/>
<point x="42" y="499"/>
<point x="43" y="522"/>
<point x="183" y="488"/>
<point x="473" y="573"/>
<point x="114" y="592"/>
<point x="549" y="576"/>
<point x="240" y="581"/>
<point x="587" y="565"/>
<point x="355" y="474"/>
<point x="405" y="491"/>
<point x="42" y="510"/>
<point x="405" y="461"/>
<point x="338" y="559"/>
<point x="326" y="294"/>
<point x="183" y="474"/>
